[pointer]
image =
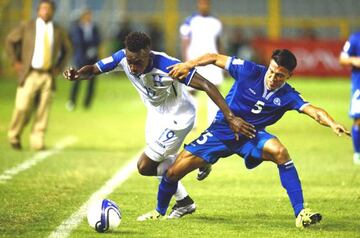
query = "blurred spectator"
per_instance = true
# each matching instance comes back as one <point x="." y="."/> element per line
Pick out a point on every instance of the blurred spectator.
<point x="239" y="46"/>
<point x="307" y="32"/>
<point x="350" y="56"/>
<point x="85" y="38"/>
<point x="38" y="50"/>
<point x="156" y="35"/>
<point x="200" y="34"/>
<point x="123" y="31"/>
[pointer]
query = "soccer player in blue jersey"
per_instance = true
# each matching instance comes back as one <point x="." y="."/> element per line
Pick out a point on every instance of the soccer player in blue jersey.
<point x="260" y="96"/>
<point x="171" y="112"/>
<point x="350" y="55"/>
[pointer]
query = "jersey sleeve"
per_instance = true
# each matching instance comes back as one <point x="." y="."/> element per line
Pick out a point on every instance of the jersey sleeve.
<point x="111" y="62"/>
<point x="185" y="29"/>
<point x="239" y="68"/>
<point x="189" y="77"/>
<point x="349" y="48"/>
<point x="297" y="102"/>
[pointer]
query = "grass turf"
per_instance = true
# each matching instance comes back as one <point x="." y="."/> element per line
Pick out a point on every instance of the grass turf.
<point x="231" y="202"/>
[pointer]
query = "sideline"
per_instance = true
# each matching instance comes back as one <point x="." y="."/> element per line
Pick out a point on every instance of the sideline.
<point x="65" y="228"/>
<point x="38" y="157"/>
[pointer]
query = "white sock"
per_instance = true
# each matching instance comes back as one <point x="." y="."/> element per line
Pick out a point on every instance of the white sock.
<point x="181" y="192"/>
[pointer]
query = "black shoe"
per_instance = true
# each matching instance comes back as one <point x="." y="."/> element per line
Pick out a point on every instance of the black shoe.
<point x="180" y="211"/>
<point x="183" y="207"/>
<point x="203" y="172"/>
<point x="16" y="145"/>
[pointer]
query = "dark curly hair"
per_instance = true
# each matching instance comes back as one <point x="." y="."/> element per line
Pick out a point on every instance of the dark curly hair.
<point x="136" y="41"/>
<point x="284" y="58"/>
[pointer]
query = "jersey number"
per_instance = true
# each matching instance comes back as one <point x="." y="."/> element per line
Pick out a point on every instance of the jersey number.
<point x="258" y="107"/>
<point x="203" y="138"/>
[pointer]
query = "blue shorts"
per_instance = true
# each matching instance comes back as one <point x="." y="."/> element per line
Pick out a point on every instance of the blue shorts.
<point x="210" y="148"/>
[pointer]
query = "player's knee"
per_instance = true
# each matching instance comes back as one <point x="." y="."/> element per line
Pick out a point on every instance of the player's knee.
<point x="144" y="169"/>
<point x="281" y="155"/>
<point x="172" y="175"/>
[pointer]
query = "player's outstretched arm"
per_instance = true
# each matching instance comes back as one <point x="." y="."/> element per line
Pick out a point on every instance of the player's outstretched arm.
<point x="237" y="124"/>
<point x="349" y="60"/>
<point x="85" y="72"/>
<point x="181" y="70"/>
<point x="322" y="117"/>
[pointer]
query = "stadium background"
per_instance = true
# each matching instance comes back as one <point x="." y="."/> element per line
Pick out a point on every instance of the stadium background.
<point x="261" y="22"/>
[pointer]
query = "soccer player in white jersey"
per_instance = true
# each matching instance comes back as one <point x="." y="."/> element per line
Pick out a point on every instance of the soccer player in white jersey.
<point x="171" y="112"/>
<point x="200" y="34"/>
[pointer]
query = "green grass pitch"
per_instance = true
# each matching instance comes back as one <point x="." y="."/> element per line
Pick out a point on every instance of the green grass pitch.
<point x="231" y="202"/>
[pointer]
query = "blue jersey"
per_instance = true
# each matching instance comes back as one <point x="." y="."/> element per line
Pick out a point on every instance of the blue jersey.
<point x="250" y="99"/>
<point x="352" y="48"/>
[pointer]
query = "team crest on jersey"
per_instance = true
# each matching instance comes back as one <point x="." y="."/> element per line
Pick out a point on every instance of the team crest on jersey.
<point x="157" y="80"/>
<point x="277" y="101"/>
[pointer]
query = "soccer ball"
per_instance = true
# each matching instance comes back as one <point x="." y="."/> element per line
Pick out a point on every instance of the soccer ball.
<point x="104" y="215"/>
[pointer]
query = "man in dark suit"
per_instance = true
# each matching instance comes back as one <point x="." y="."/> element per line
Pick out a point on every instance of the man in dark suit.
<point x="85" y="38"/>
<point x="38" y="50"/>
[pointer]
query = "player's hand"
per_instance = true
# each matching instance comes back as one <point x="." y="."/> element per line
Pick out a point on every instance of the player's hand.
<point x="238" y="125"/>
<point x="71" y="74"/>
<point x="340" y="129"/>
<point x="180" y="70"/>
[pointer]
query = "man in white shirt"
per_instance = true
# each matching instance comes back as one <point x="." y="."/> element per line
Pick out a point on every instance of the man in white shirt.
<point x="38" y="50"/>
<point x="200" y="33"/>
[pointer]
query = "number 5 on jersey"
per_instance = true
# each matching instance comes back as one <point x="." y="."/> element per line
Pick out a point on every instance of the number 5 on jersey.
<point x="258" y="107"/>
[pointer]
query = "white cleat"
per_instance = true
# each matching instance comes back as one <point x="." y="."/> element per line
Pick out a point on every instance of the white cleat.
<point x="307" y="218"/>
<point x="153" y="215"/>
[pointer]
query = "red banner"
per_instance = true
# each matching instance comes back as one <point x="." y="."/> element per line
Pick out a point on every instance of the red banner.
<point x="315" y="57"/>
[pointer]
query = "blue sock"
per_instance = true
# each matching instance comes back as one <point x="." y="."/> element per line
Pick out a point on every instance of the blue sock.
<point x="356" y="138"/>
<point x="166" y="190"/>
<point x="290" y="181"/>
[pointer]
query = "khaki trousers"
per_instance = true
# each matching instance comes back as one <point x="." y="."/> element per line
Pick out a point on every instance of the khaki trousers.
<point x="37" y="85"/>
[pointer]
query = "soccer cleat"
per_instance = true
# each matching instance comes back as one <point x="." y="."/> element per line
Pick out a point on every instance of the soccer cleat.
<point x="178" y="211"/>
<point x="307" y="218"/>
<point x="203" y="172"/>
<point x="153" y="215"/>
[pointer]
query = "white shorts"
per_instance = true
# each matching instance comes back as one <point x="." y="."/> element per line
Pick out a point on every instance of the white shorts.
<point x="162" y="141"/>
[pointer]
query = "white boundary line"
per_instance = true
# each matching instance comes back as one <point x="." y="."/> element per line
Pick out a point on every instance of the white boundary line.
<point x="38" y="157"/>
<point x="76" y="218"/>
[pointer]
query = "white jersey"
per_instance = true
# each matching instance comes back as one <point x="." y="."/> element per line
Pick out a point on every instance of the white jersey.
<point x="163" y="96"/>
<point x="203" y="33"/>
